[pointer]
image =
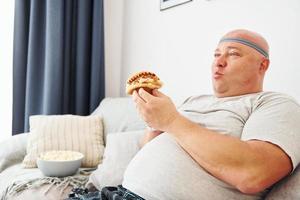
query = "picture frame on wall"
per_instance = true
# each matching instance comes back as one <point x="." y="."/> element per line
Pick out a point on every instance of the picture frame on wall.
<point x="165" y="4"/>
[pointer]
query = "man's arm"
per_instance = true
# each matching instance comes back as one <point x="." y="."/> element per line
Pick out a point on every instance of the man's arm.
<point x="250" y="166"/>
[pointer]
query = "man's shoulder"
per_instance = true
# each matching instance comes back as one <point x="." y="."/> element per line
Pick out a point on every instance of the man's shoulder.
<point x="269" y="100"/>
<point x="271" y="96"/>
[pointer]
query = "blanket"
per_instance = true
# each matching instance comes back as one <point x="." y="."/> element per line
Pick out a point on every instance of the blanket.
<point x="16" y="181"/>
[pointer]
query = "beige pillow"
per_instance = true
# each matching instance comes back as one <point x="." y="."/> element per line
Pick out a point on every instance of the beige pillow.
<point x="65" y="132"/>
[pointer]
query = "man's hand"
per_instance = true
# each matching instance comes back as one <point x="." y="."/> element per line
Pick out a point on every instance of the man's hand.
<point x="157" y="110"/>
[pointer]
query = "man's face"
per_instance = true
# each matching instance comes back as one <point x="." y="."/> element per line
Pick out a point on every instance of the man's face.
<point x="235" y="70"/>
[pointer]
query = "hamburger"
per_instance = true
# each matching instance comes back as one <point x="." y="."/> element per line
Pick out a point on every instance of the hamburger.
<point x="146" y="80"/>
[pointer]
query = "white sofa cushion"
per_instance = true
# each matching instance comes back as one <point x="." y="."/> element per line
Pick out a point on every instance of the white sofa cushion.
<point x="119" y="115"/>
<point x="12" y="150"/>
<point x="120" y="149"/>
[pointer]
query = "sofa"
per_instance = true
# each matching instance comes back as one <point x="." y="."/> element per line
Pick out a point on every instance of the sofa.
<point x="122" y="130"/>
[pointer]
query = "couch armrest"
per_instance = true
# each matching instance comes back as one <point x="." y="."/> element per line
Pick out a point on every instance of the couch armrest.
<point x="12" y="150"/>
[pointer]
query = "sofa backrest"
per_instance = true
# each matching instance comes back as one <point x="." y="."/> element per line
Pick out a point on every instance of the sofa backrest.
<point x="119" y="114"/>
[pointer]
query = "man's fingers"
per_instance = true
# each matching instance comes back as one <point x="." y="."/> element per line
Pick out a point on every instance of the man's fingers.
<point x="136" y="98"/>
<point x="140" y="103"/>
<point x="157" y="93"/>
<point x="145" y="95"/>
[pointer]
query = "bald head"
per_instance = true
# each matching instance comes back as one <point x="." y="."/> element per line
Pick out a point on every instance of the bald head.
<point x="250" y="36"/>
<point x="241" y="60"/>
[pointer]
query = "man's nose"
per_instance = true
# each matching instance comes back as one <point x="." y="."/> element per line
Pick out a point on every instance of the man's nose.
<point x="221" y="61"/>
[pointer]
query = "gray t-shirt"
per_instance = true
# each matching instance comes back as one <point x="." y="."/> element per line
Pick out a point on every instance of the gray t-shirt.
<point x="162" y="170"/>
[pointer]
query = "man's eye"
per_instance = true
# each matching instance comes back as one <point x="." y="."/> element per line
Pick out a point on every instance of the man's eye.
<point x="234" y="54"/>
<point x="217" y="55"/>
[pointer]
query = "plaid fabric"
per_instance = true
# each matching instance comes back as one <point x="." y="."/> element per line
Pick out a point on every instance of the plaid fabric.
<point x="107" y="193"/>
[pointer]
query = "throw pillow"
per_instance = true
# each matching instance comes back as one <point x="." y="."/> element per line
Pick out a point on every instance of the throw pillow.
<point x="120" y="149"/>
<point x="65" y="132"/>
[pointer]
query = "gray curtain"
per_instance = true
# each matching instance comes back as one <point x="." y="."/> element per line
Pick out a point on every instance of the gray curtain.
<point x="58" y="58"/>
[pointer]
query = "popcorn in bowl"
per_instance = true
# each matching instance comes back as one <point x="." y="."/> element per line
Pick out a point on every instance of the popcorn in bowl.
<point x="60" y="155"/>
<point x="59" y="163"/>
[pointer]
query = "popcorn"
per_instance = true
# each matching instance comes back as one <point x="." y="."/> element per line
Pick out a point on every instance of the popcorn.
<point x="60" y="155"/>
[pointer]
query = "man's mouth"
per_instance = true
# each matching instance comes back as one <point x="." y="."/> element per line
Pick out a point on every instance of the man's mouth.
<point x="217" y="75"/>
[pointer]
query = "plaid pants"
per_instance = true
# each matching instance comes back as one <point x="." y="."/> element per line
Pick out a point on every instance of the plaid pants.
<point x="108" y="193"/>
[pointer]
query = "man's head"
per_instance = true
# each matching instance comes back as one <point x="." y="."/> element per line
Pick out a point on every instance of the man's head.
<point x="241" y="60"/>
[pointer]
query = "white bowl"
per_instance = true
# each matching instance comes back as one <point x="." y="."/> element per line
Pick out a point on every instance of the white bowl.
<point x="58" y="166"/>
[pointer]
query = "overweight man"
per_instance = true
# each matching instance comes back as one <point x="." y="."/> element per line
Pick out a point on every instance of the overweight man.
<point x="234" y="144"/>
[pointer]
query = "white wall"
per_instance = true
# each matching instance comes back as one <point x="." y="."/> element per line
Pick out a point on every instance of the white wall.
<point x="178" y="43"/>
<point x="6" y="42"/>
<point x="113" y="26"/>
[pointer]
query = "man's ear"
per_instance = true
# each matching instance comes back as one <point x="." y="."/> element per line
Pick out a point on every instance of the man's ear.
<point x="264" y="65"/>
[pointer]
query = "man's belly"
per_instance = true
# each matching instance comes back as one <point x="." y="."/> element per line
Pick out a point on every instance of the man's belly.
<point x="163" y="170"/>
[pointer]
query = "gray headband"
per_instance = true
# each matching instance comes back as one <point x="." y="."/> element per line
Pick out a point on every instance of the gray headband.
<point x="248" y="43"/>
